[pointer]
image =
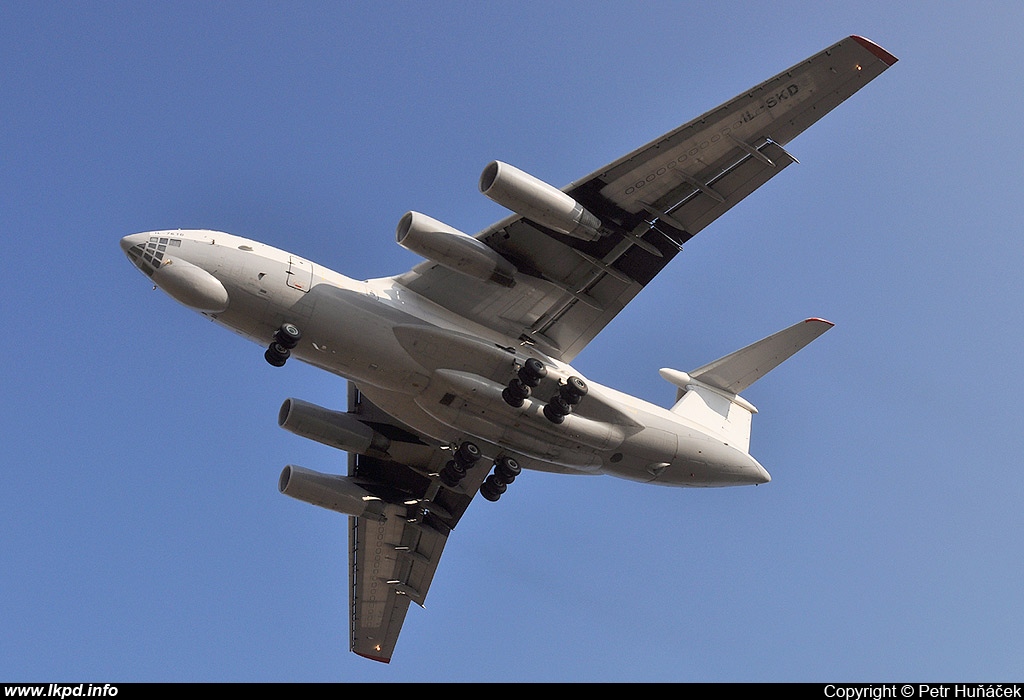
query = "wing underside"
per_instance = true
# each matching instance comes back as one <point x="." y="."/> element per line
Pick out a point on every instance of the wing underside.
<point x="392" y="561"/>
<point x="650" y="203"/>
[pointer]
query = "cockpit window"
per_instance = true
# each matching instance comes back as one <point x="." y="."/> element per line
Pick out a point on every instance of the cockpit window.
<point x="150" y="256"/>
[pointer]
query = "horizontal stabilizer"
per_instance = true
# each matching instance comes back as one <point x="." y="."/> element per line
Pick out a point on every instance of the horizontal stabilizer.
<point x="736" y="371"/>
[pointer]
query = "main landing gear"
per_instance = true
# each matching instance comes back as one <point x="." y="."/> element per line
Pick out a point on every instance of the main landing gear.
<point x="526" y="380"/>
<point x="561" y="404"/>
<point x="466" y="455"/>
<point x="285" y="339"/>
<point x="506" y="470"/>
<point x="529" y="378"/>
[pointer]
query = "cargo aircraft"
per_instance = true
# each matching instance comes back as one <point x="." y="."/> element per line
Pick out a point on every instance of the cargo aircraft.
<point x="458" y="370"/>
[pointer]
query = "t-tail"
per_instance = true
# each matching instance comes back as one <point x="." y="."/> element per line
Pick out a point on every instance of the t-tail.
<point x="710" y="396"/>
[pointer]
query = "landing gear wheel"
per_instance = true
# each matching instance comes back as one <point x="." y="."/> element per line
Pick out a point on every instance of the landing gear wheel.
<point x="276" y="355"/>
<point x="552" y="415"/>
<point x="557" y="409"/>
<point x="288" y="335"/>
<point x="573" y="390"/>
<point x="452" y="473"/>
<point x="274" y="359"/>
<point x="467" y="454"/>
<point x="507" y="469"/>
<point x="492" y="488"/>
<point x="512" y="399"/>
<point x="516" y="393"/>
<point x="569" y="394"/>
<point x="532" y="372"/>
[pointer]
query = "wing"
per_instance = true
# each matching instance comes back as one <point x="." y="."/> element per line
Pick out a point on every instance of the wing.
<point x="392" y="561"/>
<point x="649" y="203"/>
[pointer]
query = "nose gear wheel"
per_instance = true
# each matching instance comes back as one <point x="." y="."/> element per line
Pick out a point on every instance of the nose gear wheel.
<point x="285" y="339"/>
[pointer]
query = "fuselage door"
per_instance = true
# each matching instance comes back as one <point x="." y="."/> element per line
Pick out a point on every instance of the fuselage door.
<point x="300" y="273"/>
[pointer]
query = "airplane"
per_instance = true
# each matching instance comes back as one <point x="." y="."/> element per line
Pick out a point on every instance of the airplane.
<point x="458" y="370"/>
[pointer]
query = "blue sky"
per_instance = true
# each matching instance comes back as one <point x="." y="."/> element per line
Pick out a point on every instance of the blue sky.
<point x="144" y="537"/>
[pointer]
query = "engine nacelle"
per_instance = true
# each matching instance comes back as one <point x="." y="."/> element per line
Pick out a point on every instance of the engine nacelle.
<point x="332" y="428"/>
<point x="537" y="200"/>
<point x="440" y="243"/>
<point x="338" y="493"/>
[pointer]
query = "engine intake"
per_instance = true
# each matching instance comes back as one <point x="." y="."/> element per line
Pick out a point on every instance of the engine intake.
<point x="537" y="200"/>
<point x="444" y="245"/>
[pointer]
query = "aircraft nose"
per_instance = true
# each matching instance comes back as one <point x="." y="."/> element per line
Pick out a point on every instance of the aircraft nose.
<point x="133" y="240"/>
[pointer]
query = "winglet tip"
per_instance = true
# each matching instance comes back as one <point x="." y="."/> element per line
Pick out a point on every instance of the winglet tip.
<point x="879" y="53"/>
<point x="819" y="320"/>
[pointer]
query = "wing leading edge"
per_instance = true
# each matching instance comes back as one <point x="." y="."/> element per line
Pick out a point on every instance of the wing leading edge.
<point x="652" y="201"/>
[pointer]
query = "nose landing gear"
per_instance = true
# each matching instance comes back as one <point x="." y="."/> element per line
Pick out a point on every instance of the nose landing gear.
<point x="285" y="339"/>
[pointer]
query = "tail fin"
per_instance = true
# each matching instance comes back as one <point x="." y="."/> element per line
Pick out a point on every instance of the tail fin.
<point x="710" y="395"/>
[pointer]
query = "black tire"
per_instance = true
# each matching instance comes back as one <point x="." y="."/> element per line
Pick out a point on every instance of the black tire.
<point x="452" y="473"/>
<point x="511" y="399"/>
<point x="495" y="484"/>
<point x="288" y="335"/>
<point x="532" y="372"/>
<point x="467" y="454"/>
<point x="553" y="416"/>
<point x="507" y="469"/>
<point x="519" y="389"/>
<point x="535" y="367"/>
<point x="558" y="404"/>
<point x="568" y="396"/>
<point x="575" y="387"/>
<point x="280" y="350"/>
<point x="274" y="358"/>
<point x="492" y="488"/>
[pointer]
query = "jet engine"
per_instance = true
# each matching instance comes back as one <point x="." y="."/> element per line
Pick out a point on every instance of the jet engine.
<point x="444" y="245"/>
<point x="537" y="200"/>
<point x="332" y="428"/>
<point x="338" y="493"/>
